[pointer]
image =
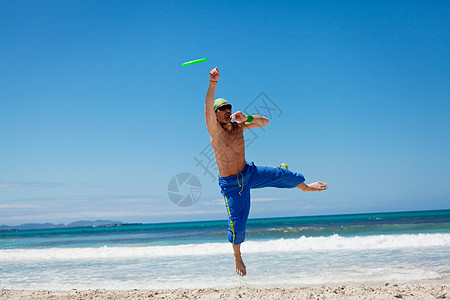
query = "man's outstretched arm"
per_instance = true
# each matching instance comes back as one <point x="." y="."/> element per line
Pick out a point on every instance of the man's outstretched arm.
<point x="210" y="116"/>
<point x="256" y="120"/>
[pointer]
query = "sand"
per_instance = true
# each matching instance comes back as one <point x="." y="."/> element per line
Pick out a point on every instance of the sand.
<point x="386" y="291"/>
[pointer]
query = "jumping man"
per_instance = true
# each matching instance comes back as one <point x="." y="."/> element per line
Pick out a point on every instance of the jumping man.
<point x="236" y="175"/>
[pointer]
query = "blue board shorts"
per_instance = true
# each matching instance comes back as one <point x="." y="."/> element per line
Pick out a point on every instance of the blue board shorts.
<point x="236" y="191"/>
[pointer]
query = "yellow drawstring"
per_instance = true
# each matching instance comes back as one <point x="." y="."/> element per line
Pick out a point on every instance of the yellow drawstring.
<point x="283" y="165"/>
<point x="242" y="182"/>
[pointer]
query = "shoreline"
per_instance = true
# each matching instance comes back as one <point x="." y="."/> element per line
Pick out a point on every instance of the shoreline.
<point x="347" y="291"/>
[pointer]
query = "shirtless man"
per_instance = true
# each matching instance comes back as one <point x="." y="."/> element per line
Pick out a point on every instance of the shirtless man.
<point x="236" y="175"/>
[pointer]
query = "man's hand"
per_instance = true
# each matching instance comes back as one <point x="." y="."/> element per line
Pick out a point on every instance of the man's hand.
<point x="214" y="74"/>
<point x="239" y="117"/>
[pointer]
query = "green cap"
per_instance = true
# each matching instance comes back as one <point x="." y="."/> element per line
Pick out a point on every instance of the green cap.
<point x="218" y="102"/>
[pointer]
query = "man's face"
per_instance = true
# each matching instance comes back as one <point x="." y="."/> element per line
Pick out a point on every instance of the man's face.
<point x="223" y="113"/>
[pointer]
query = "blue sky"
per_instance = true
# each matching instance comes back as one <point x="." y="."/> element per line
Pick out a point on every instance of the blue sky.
<point x="97" y="115"/>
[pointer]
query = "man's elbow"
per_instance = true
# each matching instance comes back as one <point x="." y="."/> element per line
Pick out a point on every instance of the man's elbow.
<point x="265" y="122"/>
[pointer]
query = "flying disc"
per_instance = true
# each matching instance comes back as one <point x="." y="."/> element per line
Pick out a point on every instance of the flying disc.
<point x="193" y="62"/>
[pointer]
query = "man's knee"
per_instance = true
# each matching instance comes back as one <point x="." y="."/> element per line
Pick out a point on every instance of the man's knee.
<point x="292" y="179"/>
<point x="236" y="238"/>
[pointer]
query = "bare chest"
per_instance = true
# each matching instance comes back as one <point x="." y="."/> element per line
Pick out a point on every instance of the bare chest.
<point x="232" y="139"/>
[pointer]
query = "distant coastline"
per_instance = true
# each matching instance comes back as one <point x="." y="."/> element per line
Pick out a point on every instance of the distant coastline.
<point x="37" y="226"/>
<point x="33" y="226"/>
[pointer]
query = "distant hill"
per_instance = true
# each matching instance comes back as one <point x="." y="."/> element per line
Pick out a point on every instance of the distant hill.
<point x="31" y="226"/>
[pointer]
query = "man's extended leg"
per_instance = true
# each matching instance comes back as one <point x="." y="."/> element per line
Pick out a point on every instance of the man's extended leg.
<point x="240" y="267"/>
<point x="263" y="176"/>
<point x="313" y="187"/>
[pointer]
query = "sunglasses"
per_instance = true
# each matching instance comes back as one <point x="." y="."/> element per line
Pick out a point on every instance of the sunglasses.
<point x="224" y="107"/>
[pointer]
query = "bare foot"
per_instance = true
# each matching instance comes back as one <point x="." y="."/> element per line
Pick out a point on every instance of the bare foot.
<point x="240" y="267"/>
<point x="313" y="187"/>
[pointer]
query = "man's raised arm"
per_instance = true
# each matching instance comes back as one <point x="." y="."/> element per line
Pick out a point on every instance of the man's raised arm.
<point x="210" y="115"/>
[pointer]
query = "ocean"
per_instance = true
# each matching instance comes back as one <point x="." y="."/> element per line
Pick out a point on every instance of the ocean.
<point x="400" y="247"/>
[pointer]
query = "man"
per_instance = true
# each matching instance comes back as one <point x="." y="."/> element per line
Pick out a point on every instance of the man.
<point x="236" y="176"/>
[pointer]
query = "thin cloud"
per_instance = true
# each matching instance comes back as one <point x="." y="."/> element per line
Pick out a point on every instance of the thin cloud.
<point x="195" y="212"/>
<point x="36" y="184"/>
<point x="104" y="197"/>
<point x="8" y="184"/>
<point x="17" y="206"/>
<point x="214" y="202"/>
<point x="221" y="201"/>
<point x="268" y="199"/>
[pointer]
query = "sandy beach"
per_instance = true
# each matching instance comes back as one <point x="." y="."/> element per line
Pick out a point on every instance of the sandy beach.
<point x="386" y="291"/>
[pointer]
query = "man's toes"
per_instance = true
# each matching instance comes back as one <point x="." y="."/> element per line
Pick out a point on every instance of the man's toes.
<point x="241" y="272"/>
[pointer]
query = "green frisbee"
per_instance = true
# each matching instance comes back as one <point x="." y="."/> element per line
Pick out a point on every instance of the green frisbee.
<point x="193" y="62"/>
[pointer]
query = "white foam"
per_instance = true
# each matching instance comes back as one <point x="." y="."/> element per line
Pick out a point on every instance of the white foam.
<point x="329" y="243"/>
<point x="337" y="242"/>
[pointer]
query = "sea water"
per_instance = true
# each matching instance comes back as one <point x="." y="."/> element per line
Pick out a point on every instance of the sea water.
<point x="278" y="252"/>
